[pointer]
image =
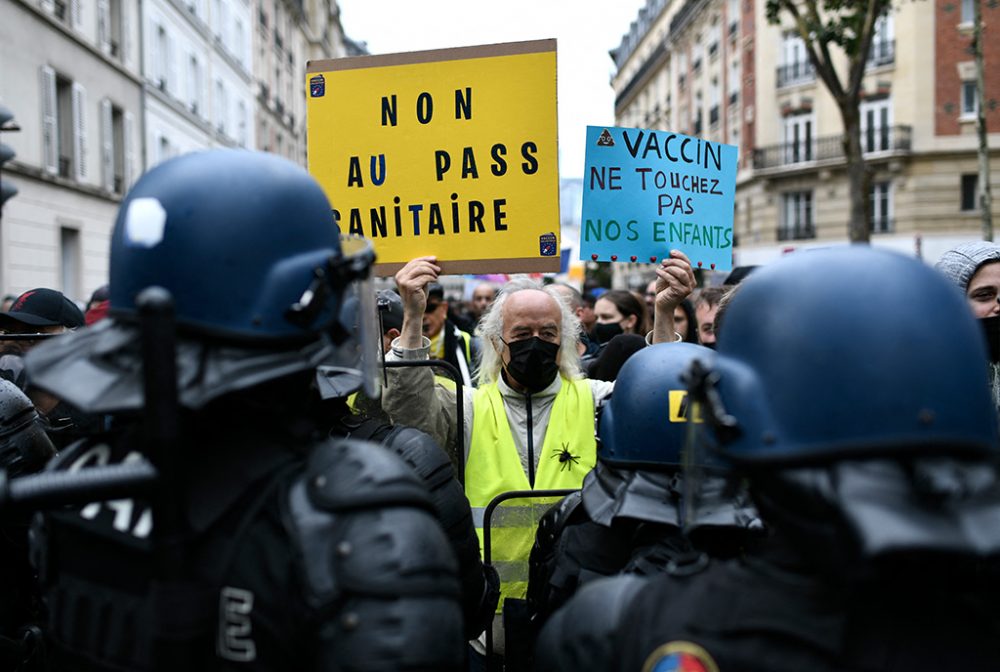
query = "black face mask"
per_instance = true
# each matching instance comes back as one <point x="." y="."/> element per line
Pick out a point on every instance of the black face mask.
<point x="604" y="332"/>
<point x="991" y="328"/>
<point x="533" y="362"/>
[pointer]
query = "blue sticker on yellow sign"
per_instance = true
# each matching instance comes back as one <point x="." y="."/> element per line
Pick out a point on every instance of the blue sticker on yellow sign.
<point x="317" y="86"/>
<point x="646" y="192"/>
<point x="680" y="657"/>
<point x="548" y="245"/>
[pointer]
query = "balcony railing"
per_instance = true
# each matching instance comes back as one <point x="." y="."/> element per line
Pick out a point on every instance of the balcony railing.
<point x="883" y="52"/>
<point x="797" y="231"/>
<point x="883" y="225"/>
<point x="887" y="139"/>
<point x="795" y="73"/>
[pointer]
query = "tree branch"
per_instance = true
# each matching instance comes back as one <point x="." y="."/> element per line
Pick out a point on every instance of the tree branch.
<point x="824" y="67"/>
<point x="857" y="70"/>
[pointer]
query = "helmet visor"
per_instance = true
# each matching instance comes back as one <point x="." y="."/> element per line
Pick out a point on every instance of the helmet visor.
<point x="363" y="351"/>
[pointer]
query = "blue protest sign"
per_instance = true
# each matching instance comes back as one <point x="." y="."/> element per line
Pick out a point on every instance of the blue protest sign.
<point x="648" y="192"/>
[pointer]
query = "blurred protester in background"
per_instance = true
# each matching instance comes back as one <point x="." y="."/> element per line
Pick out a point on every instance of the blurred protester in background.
<point x="97" y="306"/>
<point x="38" y="311"/>
<point x="45" y="312"/>
<point x="618" y="312"/>
<point x="587" y="317"/>
<point x="705" y="306"/>
<point x="586" y="346"/>
<point x="974" y="267"/>
<point x="685" y="321"/>
<point x="613" y="355"/>
<point x="449" y="343"/>
<point x="482" y="297"/>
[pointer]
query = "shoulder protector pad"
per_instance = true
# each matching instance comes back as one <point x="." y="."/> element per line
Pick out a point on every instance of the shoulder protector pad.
<point x="419" y="450"/>
<point x="347" y="474"/>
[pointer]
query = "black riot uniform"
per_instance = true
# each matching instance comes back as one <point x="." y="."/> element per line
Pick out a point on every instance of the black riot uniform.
<point x="271" y="545"/>
<point x="24" y="449"/>
<point x="874" y="469"/>
<point x="629" y="517"/>
<point x="301" y="550"/>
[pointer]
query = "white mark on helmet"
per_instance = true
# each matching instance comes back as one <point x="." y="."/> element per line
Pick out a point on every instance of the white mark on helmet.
<point x="144" y="223"/>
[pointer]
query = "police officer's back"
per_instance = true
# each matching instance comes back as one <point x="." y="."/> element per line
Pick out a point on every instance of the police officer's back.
<point x="869" y="453"/>
<point x="291" y="550"/>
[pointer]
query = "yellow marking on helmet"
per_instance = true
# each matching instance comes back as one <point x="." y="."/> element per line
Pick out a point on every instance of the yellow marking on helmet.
<point x="681" y="409"/>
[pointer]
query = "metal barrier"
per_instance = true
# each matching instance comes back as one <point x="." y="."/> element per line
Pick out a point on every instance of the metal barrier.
<point x="487" y="539"/>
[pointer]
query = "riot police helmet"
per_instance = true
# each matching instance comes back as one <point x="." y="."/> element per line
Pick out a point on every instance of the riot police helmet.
<point x="644" y="424"/>
<point x="24" y="445"/>
<point x="247" y="246"/>
<point x="832" y="354"/>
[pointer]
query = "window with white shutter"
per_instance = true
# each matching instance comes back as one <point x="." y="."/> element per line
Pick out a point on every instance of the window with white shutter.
<point x="50" y="130"/>
<point x="107" y="147"/>
<point x="76" y="14"/>
<point x="173" y="83"/>
<point x="128" y="142"/>
<point x="157" y="49"/>
<point x="79" y="131"/>
<point x="104" y="26"/>
<point x="126" y="31"/>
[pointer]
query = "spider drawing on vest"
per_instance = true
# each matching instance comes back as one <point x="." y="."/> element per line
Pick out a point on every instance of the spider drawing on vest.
<point x="566" y="458"/>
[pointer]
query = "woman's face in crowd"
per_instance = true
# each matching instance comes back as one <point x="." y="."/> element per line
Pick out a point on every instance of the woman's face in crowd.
<point x="607" y="312"/>
<point x="983" y="292"/>
<point x="680" y="321"/>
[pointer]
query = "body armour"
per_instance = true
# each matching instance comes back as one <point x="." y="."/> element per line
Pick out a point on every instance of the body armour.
<point x="480" y="585"/>
<point x="328" y="557"/>
<point x="770" y="613"/>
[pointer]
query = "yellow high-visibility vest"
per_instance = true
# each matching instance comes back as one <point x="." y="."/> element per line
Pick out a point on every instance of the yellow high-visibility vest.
<point x="568" y="453"/>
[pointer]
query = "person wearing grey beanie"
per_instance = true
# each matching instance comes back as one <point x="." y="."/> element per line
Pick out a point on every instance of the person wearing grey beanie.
<point x="961" y="263"/>
<point x="975" y="268"/>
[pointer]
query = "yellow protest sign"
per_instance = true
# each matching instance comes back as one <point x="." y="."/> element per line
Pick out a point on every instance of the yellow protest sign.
<point x="450" y="153"/>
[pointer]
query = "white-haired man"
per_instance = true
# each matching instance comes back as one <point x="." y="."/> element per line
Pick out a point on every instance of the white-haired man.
<point x="530" y="423"/>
